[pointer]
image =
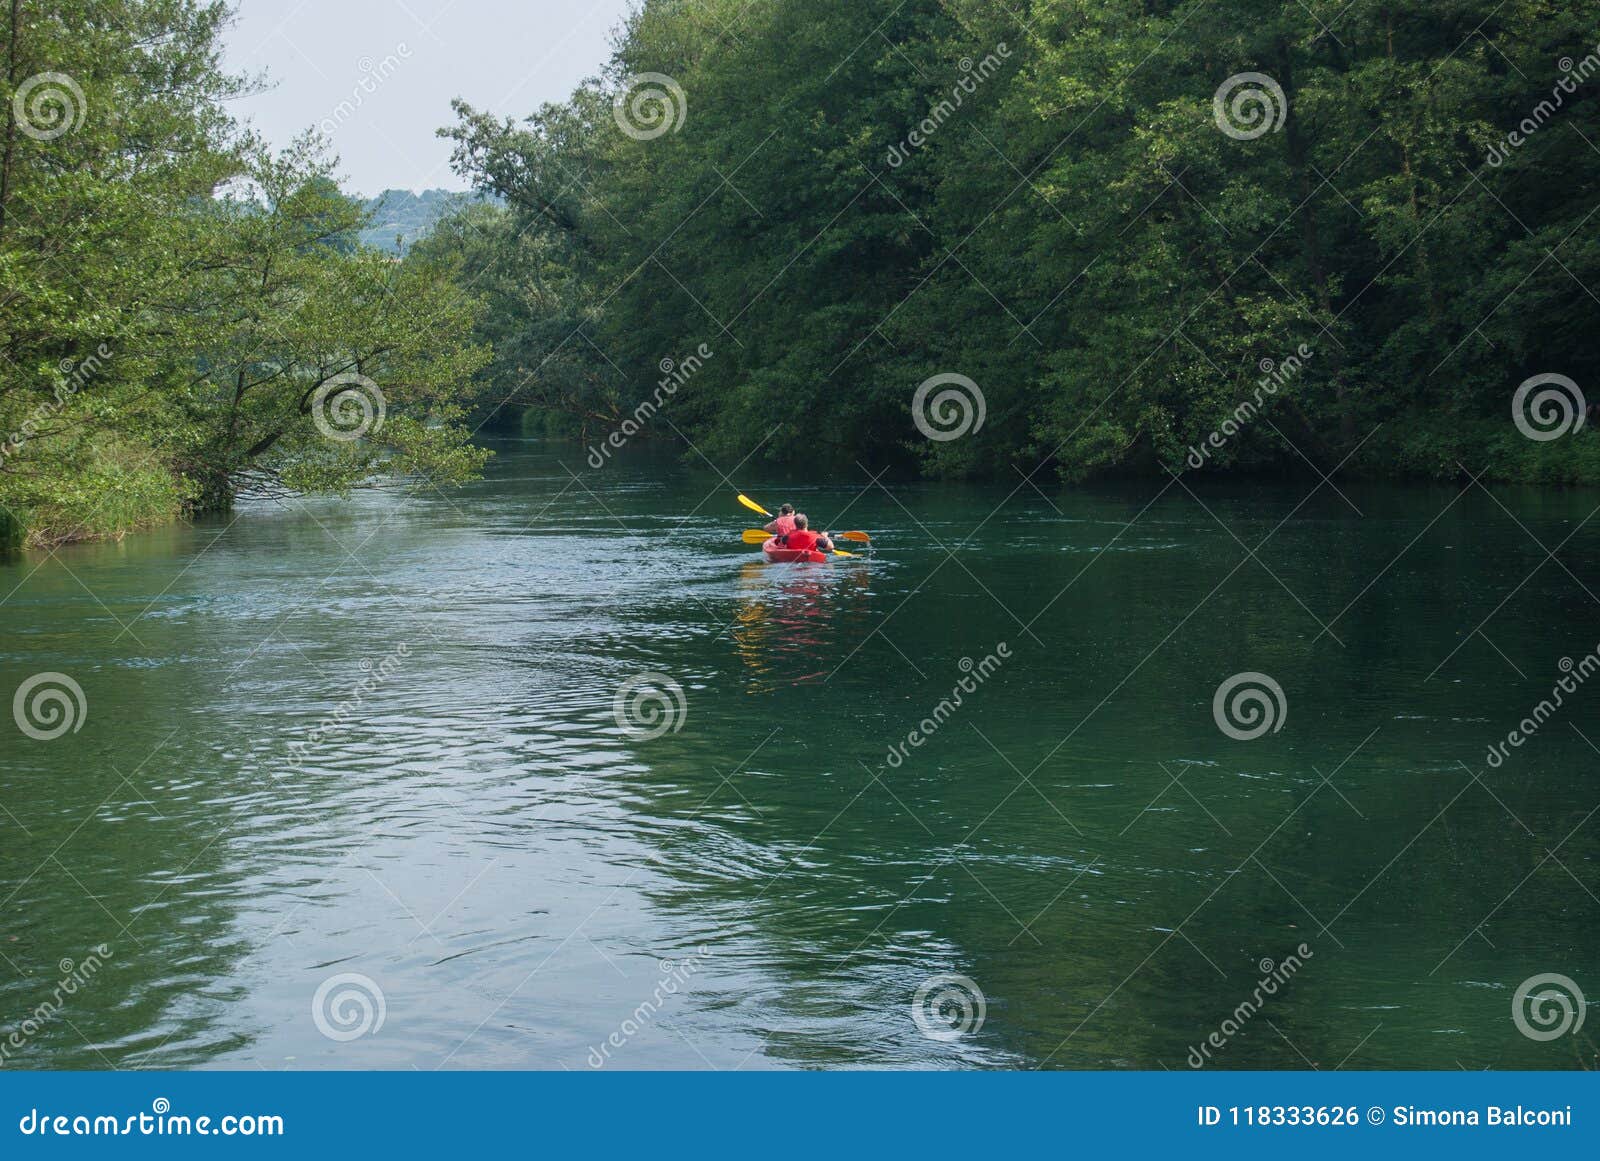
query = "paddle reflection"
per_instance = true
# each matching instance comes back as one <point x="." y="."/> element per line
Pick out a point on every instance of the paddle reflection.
<point x="789" y="626"/>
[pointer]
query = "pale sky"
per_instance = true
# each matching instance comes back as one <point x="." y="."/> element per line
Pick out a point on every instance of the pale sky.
<point x="378" y="75"/>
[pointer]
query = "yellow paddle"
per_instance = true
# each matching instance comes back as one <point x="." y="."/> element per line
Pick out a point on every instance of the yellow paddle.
<point x="759" y="535"/>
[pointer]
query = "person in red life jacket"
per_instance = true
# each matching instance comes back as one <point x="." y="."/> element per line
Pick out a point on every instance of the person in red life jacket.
<point x="783" y="523"/>
<point x="801" y="539"/>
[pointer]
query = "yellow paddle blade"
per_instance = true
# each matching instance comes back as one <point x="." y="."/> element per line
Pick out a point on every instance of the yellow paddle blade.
<point x="753" y="506"/>
<point x="858" y="536"/>
<point x="756" y="535"/>
<point x="842" y="552"/>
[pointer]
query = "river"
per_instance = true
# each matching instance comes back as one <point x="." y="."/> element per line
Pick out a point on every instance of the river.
<point x="349" y="785"/>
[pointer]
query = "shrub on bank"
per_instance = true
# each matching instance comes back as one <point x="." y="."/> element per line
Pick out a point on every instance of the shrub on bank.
<point x="1450" y="448"/>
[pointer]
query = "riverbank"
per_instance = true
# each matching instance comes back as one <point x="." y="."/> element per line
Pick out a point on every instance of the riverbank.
<point x="1423" y="452"/>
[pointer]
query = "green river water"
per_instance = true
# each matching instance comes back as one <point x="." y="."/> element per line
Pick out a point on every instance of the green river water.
<point x="348" y="786"/>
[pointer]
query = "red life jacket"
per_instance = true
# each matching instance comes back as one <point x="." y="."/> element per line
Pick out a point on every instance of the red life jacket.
<point x="801" y="540"/>
<point x="783" y="525"/>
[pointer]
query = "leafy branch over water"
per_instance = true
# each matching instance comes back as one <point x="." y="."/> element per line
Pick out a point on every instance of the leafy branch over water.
<point x="182" y="309"/>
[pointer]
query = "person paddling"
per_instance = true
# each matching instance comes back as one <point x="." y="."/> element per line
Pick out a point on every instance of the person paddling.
<point x="800" y="538"/>
<point x="783" y="523"/>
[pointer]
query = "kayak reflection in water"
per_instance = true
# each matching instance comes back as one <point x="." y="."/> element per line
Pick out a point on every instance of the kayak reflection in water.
<point x="789" y="620"/>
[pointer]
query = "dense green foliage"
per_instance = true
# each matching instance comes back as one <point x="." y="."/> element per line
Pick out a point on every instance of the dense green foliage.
<point x="1040" y="195"/>
<point x="179" y="308"/>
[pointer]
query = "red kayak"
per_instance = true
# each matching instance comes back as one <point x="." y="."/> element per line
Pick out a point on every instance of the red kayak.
<point x="776" y="555"/>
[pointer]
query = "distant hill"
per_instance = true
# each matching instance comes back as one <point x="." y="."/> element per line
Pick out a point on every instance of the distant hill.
<point x="401" y="214"/>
